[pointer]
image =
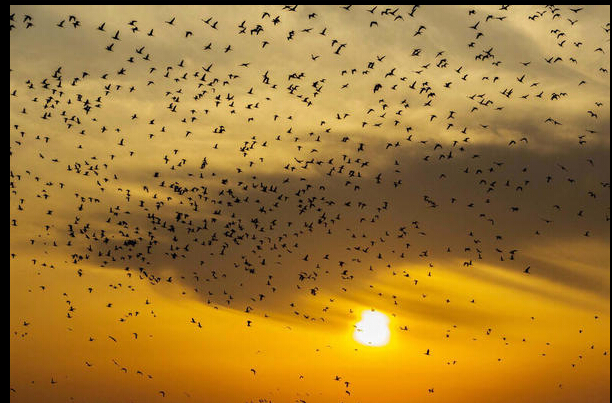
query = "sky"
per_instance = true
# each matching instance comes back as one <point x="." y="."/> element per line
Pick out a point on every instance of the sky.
<point x="206" y="199"/>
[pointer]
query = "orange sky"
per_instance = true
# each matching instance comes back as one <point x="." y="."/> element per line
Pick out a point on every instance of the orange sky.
<point x="264" y="242"/>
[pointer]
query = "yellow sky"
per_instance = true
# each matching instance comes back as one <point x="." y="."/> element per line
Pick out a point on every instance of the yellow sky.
<point x="239" y="209"/>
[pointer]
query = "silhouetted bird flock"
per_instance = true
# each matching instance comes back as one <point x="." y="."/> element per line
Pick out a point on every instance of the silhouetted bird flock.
<point x="303" y="172"/>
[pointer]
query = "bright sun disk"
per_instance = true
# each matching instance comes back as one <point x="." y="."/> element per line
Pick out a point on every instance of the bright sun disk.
<point x="373" y="329"/>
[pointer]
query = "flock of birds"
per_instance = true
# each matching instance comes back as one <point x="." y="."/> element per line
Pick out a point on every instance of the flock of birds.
<point x="261" y="183"/>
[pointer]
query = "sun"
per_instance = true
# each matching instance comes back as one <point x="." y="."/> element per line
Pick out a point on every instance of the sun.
<point x="373" y="329"/>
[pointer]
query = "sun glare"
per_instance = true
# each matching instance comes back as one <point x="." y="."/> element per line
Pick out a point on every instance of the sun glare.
<point x="373" y="329"/>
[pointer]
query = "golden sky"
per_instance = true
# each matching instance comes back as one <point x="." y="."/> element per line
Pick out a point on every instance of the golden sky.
<point x="205" y="199"/>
